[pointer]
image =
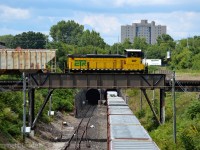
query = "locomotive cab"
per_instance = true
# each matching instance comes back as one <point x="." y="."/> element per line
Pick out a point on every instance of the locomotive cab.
<point x="134" y="53"/>
<point x="134" y="60"/>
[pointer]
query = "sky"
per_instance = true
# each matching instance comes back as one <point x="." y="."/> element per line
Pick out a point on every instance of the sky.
<point x="182" y="17"/>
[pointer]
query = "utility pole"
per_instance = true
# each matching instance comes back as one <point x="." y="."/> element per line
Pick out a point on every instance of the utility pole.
<point x="174" y="107"/>
<point x="153" y="98"/>
<point x="118" y="45"/>
<point x="50" y="101"/>
<point x="141" y="99"/>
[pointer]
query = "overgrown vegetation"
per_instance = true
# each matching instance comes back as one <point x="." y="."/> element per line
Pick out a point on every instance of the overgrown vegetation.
<point x="11" y="108"/>
<point x="188" y="119"/>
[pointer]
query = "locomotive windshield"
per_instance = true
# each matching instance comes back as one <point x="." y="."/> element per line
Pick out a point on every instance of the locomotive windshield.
<point x="133" y="53"/>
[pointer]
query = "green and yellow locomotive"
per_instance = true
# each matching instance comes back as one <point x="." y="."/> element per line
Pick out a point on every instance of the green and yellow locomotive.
<point x="130" y="62"/>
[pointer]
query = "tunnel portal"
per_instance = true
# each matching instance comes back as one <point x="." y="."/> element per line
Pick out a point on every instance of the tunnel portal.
<point x="93" y="96"/>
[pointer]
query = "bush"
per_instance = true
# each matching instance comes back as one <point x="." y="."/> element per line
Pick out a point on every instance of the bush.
<point x="132" y="92"/>
<point x="140" y="114"/>
<point x="152" y="69"/>
<point x="193" y="110"/>
<point x="190" y="136"/>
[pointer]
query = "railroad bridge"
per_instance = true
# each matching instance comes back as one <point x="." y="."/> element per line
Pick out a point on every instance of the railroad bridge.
<point x="93" y="82"/>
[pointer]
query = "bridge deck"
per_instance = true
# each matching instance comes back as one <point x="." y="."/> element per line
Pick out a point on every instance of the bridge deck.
<point x="63" y="80"/>
<point x="97" y="80"/>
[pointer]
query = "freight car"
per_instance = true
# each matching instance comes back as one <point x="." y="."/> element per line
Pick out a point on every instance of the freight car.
<point x="130" y="62"/>
<point x="18" y="60"/>
<point x="124" y="129"/>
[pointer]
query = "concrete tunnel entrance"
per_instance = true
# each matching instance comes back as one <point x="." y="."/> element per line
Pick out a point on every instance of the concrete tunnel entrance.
<point x="93" y="96"/>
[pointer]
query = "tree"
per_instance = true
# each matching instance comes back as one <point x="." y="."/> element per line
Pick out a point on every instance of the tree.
<point x="182" y="60"/>
<point x="153" y="52"/>
<point x="166" y="40"/>
<point x="7" y="39"/>
<point x="91" y="38"/>
<point x="29" y="40"/>
<point x="127" y="44"/>
<point x="68" y="32"/>
<point x="116" y="48"/>
<point x="140" y="43"/>
<point x="63" y="50"/>
<point x="196" y="62"/>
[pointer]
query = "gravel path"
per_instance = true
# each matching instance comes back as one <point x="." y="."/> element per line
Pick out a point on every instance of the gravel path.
<point x="98" y="134"/>
<point x="97" y="131"/>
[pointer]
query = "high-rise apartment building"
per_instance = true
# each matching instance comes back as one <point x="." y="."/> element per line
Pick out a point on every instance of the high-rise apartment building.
<point x="146" y="30"/>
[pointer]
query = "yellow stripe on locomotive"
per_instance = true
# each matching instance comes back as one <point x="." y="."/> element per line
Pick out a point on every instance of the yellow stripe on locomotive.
<point x="131" y="61"/>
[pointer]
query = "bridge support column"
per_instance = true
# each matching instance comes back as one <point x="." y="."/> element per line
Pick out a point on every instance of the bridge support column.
<point x="42" y="108"/>
<point x="152" y="109"/>
<point x="162" y="106"/>
<point x="31" y="97"/>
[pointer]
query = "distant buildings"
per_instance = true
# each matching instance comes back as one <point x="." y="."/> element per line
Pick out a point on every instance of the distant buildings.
<point x="149" y="31"/>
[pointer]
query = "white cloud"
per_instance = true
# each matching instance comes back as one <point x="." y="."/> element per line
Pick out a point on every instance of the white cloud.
<point x="102" y="23"/>
<point x="121" y="3"/>
<point x="5" y="31"/>
<point x="142" y="2"/>
<point x="10" y="13"/>
<point x="179" y="24"/>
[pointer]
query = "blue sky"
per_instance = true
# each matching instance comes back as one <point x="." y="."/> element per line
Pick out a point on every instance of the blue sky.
<point x="182" y="17"/>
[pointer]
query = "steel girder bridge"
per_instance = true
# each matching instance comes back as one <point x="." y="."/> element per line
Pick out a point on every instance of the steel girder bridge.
<point x="98" y="81"/>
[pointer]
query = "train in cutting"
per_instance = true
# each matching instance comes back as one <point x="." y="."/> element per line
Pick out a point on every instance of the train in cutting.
<point x="130" y="62"/>
<point x="124" y="131"/>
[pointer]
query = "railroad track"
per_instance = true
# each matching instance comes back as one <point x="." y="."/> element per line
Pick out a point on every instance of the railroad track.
<point x="80" y="134"/>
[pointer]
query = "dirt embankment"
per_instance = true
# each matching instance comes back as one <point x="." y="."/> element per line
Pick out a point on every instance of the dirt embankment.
<point x="53" y="136"/>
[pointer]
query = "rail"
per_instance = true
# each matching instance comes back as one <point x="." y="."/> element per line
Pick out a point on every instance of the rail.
<point x="76" y="133"/>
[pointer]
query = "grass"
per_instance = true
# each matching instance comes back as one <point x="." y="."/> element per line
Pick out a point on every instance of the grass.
<point x="187" y="129"/>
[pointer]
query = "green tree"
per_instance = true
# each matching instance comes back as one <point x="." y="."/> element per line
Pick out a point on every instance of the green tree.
<point x="29" y="40"/>
<point x="117" y="48"/>
<point x="68" y="32"/>
<point x="196" y="62"/>
<point x="186" y="54"/>
<point x="63" y="99"/>
<point x="194" y="44"/>
<point x="127" y="44"/>
<point x="90" y="50"/>
<point x="140" y="43"/>
<point x="155" y="52"/>
<point x="63" y="50"/>
<point x="91" y="38"/>
<point x="166" y="39"/>
<point x="182" y="60"/>
<point x="7" y="39"/>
